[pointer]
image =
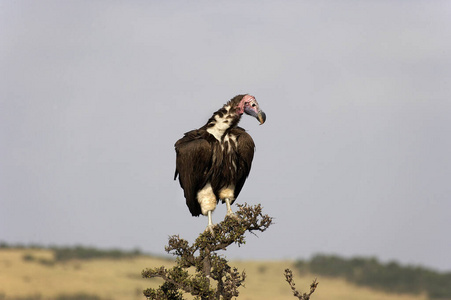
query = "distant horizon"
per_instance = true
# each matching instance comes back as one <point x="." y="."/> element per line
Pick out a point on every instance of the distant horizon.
<point x="138" y="251"/>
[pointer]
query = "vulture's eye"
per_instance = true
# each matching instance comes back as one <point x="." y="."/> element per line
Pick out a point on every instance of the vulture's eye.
<point x="253" y="104"/>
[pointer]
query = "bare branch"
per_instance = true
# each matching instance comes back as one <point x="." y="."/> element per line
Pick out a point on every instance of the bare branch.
<point x="296" y="293"/>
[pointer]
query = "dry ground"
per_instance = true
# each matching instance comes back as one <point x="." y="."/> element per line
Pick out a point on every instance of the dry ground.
<point x="121" y="279"/>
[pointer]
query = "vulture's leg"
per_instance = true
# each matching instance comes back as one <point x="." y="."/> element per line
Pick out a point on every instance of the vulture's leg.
<point x="210" y="224"/>
<point x="207" y="201"/>
<point x="230" y="213"/>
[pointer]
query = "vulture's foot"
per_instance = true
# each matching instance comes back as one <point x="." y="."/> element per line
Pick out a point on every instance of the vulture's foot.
<point x="210" y="225"/>
<point x="210" y="228"/>
<point x="231" y="214"/>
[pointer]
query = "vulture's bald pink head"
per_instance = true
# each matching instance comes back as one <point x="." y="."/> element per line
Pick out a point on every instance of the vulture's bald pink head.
<point x="249" y="105"/>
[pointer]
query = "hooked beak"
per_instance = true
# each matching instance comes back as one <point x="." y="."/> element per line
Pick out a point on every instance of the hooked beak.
<point x="261" y="117"/>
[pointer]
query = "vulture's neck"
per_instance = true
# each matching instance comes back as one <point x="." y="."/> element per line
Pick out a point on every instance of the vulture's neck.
<point x="225" y="118"/>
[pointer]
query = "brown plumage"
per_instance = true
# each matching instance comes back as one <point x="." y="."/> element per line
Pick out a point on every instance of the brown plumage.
<point x="214" y="161"/>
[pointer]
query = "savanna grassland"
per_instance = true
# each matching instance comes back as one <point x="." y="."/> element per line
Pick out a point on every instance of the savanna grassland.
<point x="35" y="274"/>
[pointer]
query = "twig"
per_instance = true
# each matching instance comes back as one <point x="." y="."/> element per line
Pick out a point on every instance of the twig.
<point x="296" y="293"/>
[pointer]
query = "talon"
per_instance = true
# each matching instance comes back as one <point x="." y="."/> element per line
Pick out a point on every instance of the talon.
<point x="231" y="214"/>
<point x="210" y="228"/>
<point x="210" y="225"/>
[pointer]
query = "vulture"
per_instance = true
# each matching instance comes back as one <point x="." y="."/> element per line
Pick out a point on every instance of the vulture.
<point x="213" y="162"/>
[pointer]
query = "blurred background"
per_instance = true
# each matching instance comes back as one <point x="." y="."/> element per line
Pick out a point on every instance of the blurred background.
<point x="354" y="158"/>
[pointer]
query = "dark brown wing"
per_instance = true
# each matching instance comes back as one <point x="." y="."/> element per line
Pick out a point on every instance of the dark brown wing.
<point x="192" y="165"/>
<point x="245" y="152"/>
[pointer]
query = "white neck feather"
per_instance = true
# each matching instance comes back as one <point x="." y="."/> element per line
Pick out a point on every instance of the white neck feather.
<point x="221" y="124"/>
